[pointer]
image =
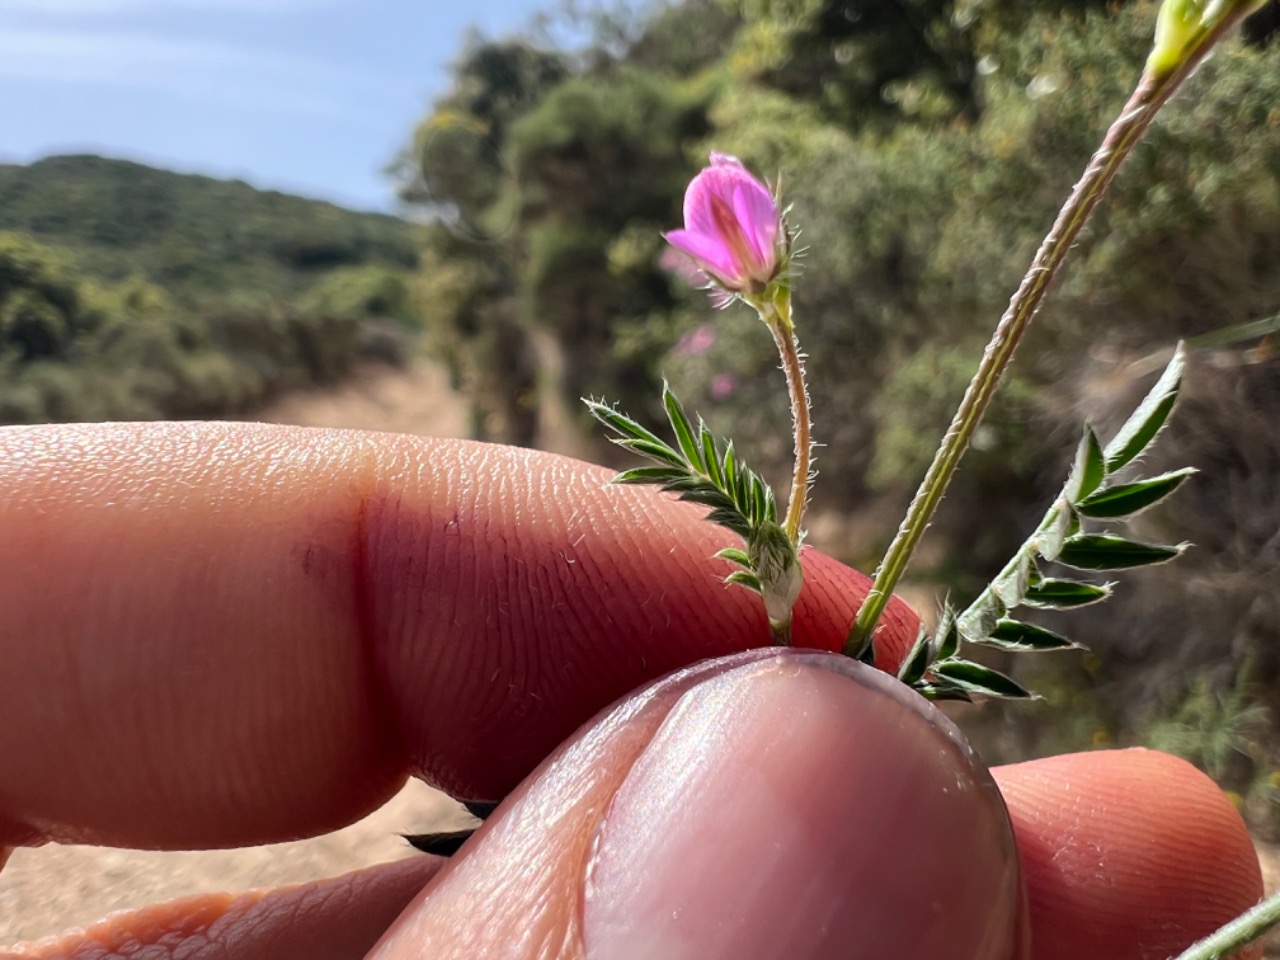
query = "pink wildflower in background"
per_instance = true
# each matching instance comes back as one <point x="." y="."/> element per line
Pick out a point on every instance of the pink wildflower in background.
<point x="696" y="342"/>
<point x="723" y="386"/>
<point x="732" y="227"/>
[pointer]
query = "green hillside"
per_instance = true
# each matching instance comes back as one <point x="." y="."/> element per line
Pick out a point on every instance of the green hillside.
<point x="195" y="236"/>
<point x="128" y="292"/>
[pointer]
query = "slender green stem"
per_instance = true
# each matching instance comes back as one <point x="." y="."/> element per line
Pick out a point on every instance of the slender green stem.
<point x="1237" y="934"/>
<point x="777" y="316"/>
<point x="1153" y="91"/>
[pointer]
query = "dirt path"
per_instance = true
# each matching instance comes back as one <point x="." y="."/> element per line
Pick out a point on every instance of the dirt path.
<point x="414" y="400"/>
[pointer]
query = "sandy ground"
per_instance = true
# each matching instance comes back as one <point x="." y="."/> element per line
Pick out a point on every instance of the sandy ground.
<point x="415" y="400"/>
<point x="47" y="890"/>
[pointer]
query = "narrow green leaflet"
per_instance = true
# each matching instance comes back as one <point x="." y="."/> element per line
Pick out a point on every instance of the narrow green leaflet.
<point x="917" y="659"/>
<point x="974" y="678"/>
<point x="939" y="689"/>
<point x="621" y="424"/>
<point x="1128" y="499"/>
<point x="683" y="428"/>
<point x="948" y="635"/>
<point x="1146" y="422"/>
<point x="1107" y="552"/>
<point x="710" y="456"/>
<point x="654" y="451"/>
<point x="655" y="475"/>
<point x="734" y="554"/>
<point x="1018" y="637"/>
<point x="744" y="578"/>
<point x="1062" y="594"/>
<point x="1090" y="467"/>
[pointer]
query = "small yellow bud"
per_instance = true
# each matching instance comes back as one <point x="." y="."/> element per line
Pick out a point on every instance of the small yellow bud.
<point x="1181" y="23"/>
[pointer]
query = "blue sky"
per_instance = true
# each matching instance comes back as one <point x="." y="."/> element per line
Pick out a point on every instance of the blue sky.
<point x="310" y="96"/>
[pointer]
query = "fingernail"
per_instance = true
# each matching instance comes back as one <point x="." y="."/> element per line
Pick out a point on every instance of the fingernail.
<point x="804" y="806"/>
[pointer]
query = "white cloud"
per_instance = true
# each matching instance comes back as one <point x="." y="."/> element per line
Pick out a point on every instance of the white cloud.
<point x="198" y="69"/>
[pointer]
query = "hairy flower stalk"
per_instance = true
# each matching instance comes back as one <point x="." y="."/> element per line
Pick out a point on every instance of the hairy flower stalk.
<point x="736" y="233"/>
<point x="777" y="316"/>
<point x="1187" y="30"/>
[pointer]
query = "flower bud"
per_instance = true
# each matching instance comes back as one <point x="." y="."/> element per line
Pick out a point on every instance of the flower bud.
<point x="1181" y="22"/>
<point x="777" y="566"/>
<point x="732" y="227"/>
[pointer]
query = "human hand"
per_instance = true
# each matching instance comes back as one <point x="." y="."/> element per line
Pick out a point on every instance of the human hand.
<point x="225" y="634"/>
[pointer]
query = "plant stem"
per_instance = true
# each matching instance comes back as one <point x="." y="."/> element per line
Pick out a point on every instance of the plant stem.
<point x="777" y="316"/>
<point x="1240" y="932"/>
<point x="983" y="608"/>
<point x="1153" y="91"/>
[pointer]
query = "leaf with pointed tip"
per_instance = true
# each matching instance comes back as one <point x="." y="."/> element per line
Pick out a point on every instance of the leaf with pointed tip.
<point x="976" y="679"/>
<point x="1090" y="467"/>
<point x="657" y="475"/>
<point x="732" y="520"/>
<point x="1130" y="498"/>
<point x="1054" y="593"/>
<point x="729" y="467"/>
<point x="1017" y="637"/>
<point x="939" y="690"/>
<point x="744" y="578"/>
<point x="698" y="489"/>
<point x="620" y="423"/>
<point x="710" y="457"/>
<point x="917" y="659"/>
<point x="1103" y="551"/>
<point x="734" y="554"/>
<point x="947" y="634"/>
<point x="1146" y="422"/>
<point x="763" y="498"/>
<point x="654" y="451"/>
<point x="682" y="427"/>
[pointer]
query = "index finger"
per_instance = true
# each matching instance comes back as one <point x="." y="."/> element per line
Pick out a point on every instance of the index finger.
<point x="226" y="633"/>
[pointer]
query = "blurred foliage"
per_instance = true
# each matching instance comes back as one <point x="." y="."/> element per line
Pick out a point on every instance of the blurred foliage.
<point x="550" y="185"/>
<point x="881" y="62"/>
<point x="1218" y="730"/>
<point x="74" y="349"/>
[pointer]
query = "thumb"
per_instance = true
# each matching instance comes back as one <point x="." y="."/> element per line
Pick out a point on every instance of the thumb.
<point x="773" y="803"/>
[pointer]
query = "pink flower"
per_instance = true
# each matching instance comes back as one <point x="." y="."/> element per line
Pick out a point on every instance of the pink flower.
<point x="696" y="342"/>
<point x="732" y="226"/>
<point x="723" y="386"/>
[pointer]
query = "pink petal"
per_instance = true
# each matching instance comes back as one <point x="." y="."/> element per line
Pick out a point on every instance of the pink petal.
<point x="721" y="178"/>
<point x="726" y="160"/>
<point x="697" y="202"/>
<point x="709" y="251"/>
<point x="750" y="200"/>
<point x="755" y="210"/>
